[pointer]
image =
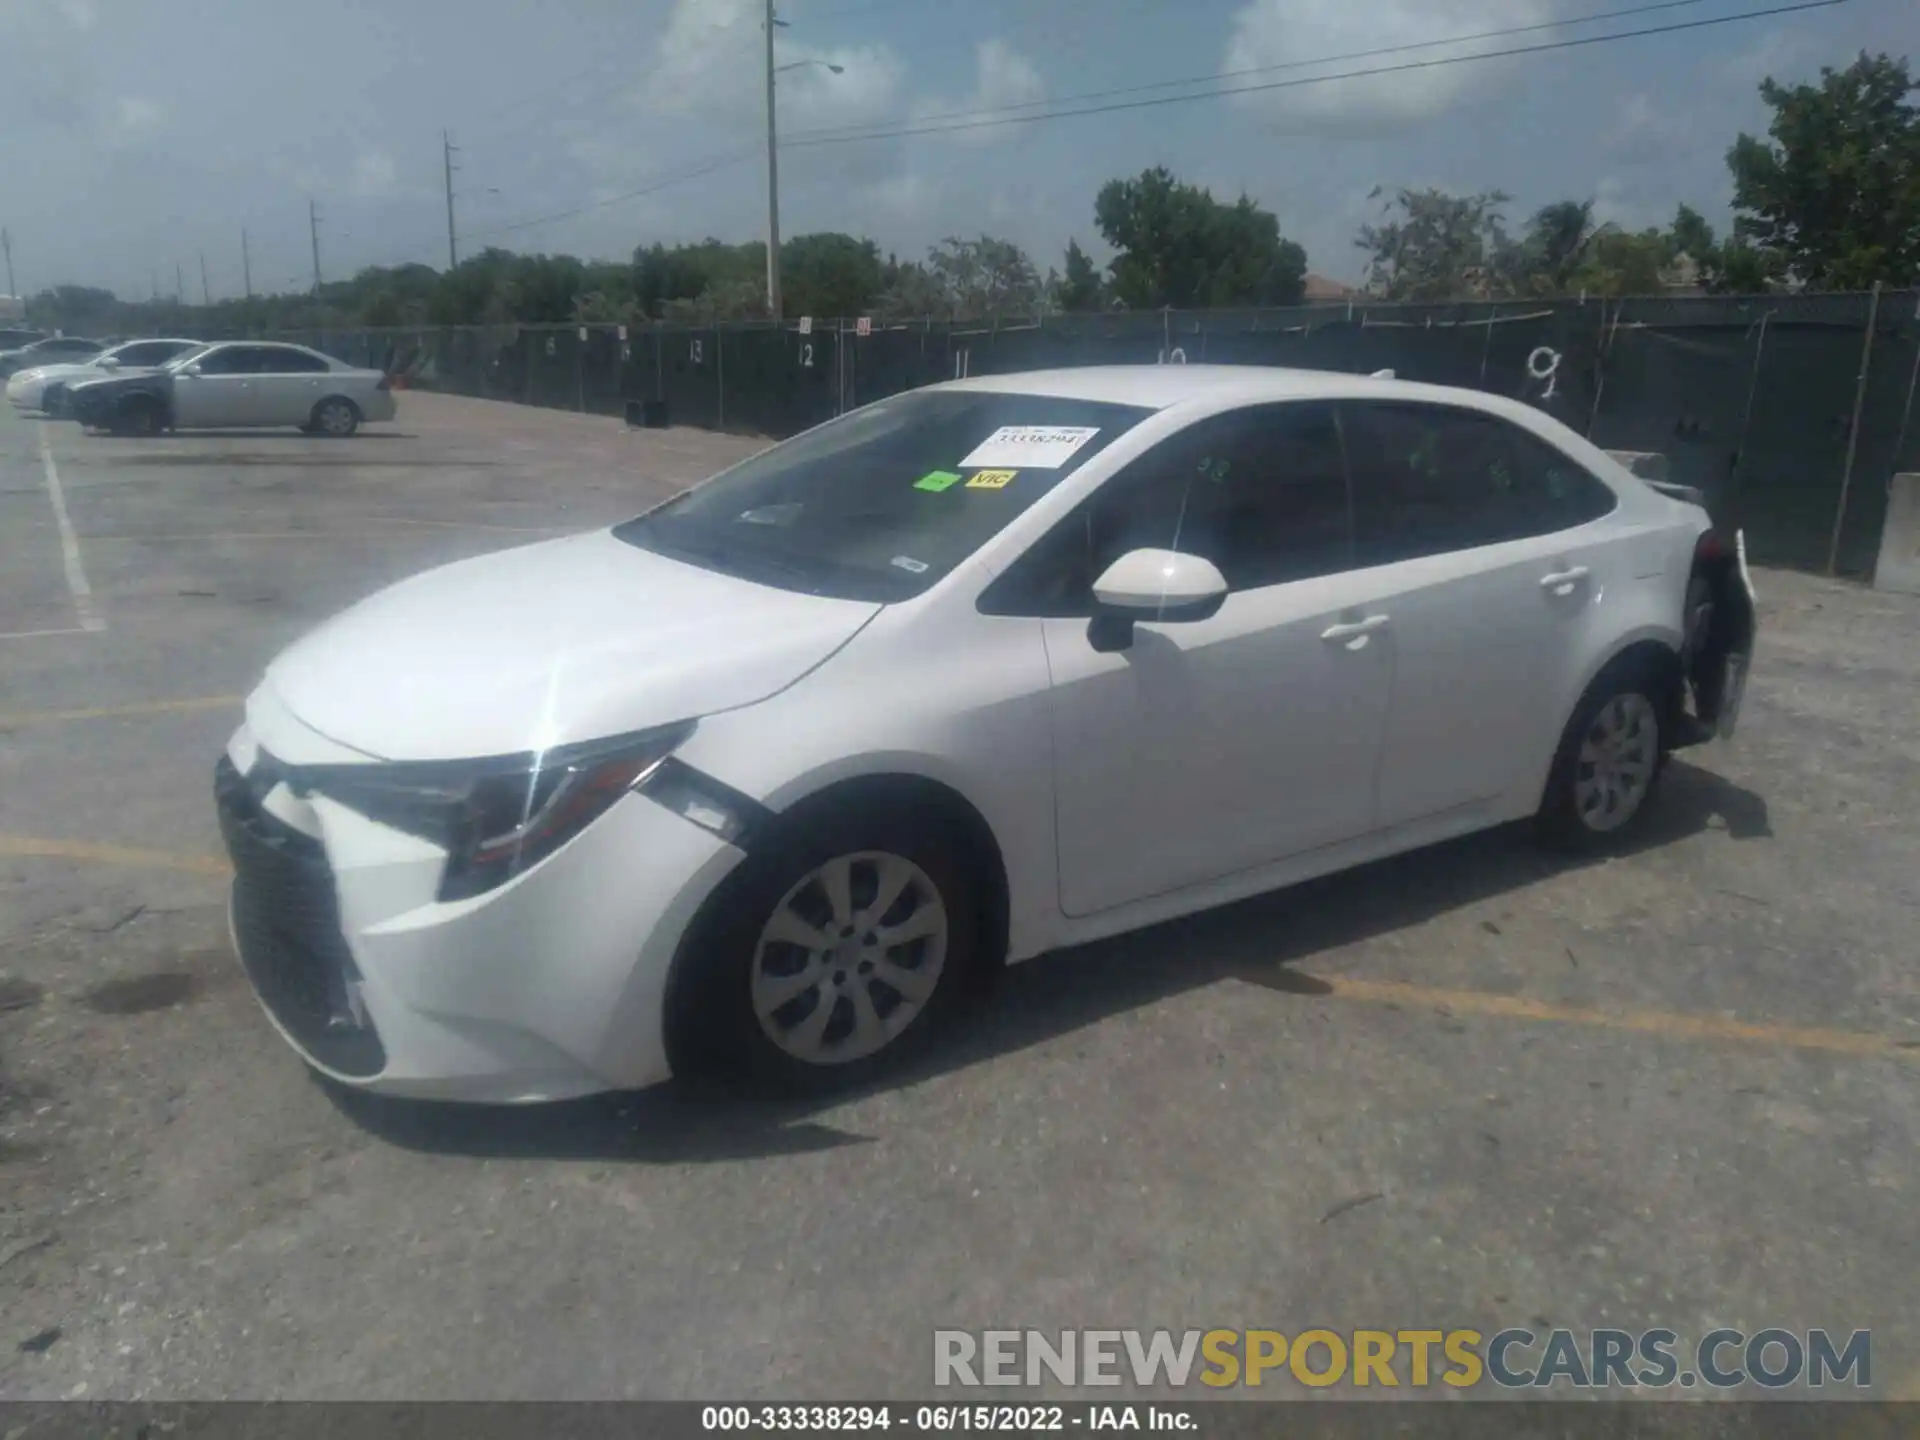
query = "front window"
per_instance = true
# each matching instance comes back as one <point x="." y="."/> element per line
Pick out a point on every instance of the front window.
<point x="882" y="503"/>
<point x="186" y="357"/>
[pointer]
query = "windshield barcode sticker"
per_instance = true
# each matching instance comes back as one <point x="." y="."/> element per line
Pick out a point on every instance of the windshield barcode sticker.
<point x="1029" y="447"/>
<point x="911" y="565"/>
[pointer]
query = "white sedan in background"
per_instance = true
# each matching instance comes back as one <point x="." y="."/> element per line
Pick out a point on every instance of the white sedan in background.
<point x="237" y="384"/>
<point x="45" y="386"/>
<point x="759" y="780"/>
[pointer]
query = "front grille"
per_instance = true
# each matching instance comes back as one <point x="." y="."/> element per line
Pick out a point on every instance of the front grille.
<point x="286" y="923"/>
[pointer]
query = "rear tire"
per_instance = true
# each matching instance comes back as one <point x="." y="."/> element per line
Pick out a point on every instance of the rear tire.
<point x="1610" y="760"/>
<point x="334" y="418"/>
<point x="797" y="990"/>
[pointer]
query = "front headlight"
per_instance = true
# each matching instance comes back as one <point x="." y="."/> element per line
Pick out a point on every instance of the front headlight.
<point x="496" y="818"/>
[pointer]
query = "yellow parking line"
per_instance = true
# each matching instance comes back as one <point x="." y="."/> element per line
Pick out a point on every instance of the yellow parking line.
<point x="33" y="847"/>
<point x="1647" y="1022"/>
<point x="110" y="712"/>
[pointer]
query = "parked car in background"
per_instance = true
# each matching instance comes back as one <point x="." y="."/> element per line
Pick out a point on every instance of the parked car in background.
<point x="237" y="384"/>
<point x="14" y="338"/>
<point x="760" y="779"/>
<point x="45" y="387"/>
<point x="54" y="350"/>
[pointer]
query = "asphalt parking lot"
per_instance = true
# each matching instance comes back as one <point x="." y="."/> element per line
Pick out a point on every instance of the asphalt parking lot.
<point x="1472" y="1087"/>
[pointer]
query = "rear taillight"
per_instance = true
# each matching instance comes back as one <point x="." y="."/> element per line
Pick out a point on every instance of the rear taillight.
<point x="1710" y="546"/>
<point x="386" y="383"/>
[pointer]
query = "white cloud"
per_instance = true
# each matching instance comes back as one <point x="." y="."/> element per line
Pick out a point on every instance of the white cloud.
<point x="907" y="198"/>
<point x="1643" y="132"/>
<point x="133" y="115"/>
<point x="1305" y="33"/>
<point x="1617" y="201"/>
<point x="1004" y="79"/>
<point x="710" y="66"/>
<point x="374" y="175"/>
<point x="1782" y="54"/>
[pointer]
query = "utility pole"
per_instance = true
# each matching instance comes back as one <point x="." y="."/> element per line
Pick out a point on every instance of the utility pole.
<point x="313" y="227"/>
<point x="773" y="182"/>
<point x="206" y="295"/>
<point x="446" y="159"/>
<point x="246" y="263"/>
<point x="179" y="282"/>
<point x="6" y="243"/>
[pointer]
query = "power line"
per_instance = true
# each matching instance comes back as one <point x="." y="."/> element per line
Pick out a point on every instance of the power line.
<point x="1001" y="116"/>
<point x="1595" y="17"/>
<point x="709" y="167"/>
<point x="897" y="132"/>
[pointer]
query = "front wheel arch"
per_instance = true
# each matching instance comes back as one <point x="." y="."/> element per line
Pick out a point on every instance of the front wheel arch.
<point x="928" y="801"/>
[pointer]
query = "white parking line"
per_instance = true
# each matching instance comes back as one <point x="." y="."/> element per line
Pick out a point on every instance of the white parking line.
<point x="90" y="618"/>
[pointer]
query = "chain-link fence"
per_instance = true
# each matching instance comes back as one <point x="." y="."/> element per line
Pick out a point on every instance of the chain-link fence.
<point x="1752" y="399"/>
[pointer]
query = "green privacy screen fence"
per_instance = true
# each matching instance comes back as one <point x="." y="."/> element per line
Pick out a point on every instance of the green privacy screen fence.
<point x="1753" y="399"/>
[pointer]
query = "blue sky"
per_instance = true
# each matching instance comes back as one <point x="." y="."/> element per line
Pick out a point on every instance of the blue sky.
<point x="139" y="135"/>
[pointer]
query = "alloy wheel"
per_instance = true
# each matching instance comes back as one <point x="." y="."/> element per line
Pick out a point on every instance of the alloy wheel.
<point x="1617" y="759"/>
<point x="850" y="956"/>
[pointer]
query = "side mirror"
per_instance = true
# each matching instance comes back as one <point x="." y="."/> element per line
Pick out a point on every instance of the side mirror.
<point x="107" y="362"/>
<point x="193" y="369"/>
<point x="1157" y="585"/>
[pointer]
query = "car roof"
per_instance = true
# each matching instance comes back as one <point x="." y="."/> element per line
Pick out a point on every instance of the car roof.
<point x="1160" y="387"/>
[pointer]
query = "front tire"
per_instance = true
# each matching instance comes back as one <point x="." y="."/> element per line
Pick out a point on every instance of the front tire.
<point x="837" y="951"/>
<point x="1610" y="759"/>
<point x="53" y="402"/>
<point x="141" y="418"/>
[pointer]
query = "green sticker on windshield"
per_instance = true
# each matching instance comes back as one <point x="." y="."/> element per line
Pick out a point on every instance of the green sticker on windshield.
<point x="937" y="480"/>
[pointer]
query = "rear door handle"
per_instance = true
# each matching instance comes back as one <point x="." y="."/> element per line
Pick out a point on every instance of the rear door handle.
<point x="1561" y="582"/>
<point x="1347" y="632"/>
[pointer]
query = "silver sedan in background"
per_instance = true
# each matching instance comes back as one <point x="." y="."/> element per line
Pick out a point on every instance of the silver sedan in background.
<point x="238" y="384"/>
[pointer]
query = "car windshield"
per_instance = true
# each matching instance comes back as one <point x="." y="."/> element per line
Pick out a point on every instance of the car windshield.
<point x="882" y="503"/>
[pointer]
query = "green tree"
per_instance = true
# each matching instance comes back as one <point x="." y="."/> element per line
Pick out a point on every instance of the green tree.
<point x="1559" y="241"/>
<point x="829" y="274"/>
<point x="1082" y="288"/>
<point x="909" y="291"/>
<point x="1834" y="193"/>
<point x="1430" y="245"/>
<point x="1617" y="262"/>
<point x="985" y="277"/>
<point x="1692" y="236"/>
<point x="712" y="269"/>
<point x="1178" y="246"/>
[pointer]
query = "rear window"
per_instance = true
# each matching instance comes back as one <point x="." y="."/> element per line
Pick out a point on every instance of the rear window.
<point x="882" y="503"/>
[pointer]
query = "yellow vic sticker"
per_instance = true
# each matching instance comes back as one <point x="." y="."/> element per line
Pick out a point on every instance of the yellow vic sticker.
<point x="992" y="480"/>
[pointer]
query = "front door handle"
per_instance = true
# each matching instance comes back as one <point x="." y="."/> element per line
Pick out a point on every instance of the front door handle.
<point x="1353" y="633"/>
<point x="1561" y="582"/>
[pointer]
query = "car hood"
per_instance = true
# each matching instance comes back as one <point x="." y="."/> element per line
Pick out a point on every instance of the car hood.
<point x="547" y="644"/>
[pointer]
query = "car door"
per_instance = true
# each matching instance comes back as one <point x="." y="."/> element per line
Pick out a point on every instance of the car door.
<point x="288" y="385"/>
<point x="1483" y="555"/>
<point x="218" y="390"/>
<point x="1213" y="746"/>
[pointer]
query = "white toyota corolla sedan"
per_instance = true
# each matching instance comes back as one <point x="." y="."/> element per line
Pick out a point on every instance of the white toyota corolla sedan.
<point x="760" y="779"/>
